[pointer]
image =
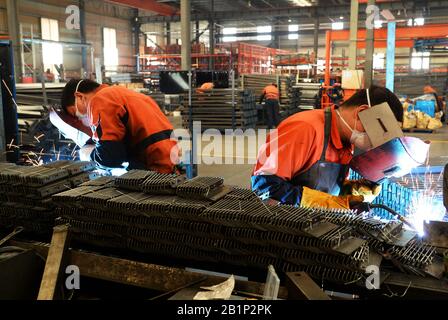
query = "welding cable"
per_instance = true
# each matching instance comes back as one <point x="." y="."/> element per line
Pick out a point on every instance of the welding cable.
<point x="393" y="212"/>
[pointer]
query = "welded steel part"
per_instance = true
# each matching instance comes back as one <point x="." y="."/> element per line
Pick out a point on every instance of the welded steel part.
<point x="200" y="188"/>
<point x="132" y="180"/>
<point x="157" y="183"/>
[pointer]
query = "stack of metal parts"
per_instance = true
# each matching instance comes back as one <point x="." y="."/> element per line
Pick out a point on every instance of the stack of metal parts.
<point x="26" y="193"/>
<point x="32" y="94"/>
<point x="309" y="93"/>
<point x="40" y="141"/>
<point x="234" y="229"/>
<point x="126" y="78"/>
<point x="294" y="100"/>
<point x="215" y="111"/>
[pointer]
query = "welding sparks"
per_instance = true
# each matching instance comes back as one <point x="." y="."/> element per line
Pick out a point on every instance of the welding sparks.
<point x="426" y="203"/>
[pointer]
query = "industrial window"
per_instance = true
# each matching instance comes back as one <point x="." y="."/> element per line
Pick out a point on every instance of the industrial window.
<point x="378" y="61"/>
<point x="52" y="52"/>
<point x="337" y="25"/>
<point x="110" y="49"/>
<point x="416" y="22"/>
<point x="229" y="34"/>
<point x="420" y="61"/>
<point x="294" y="32"/>
<point x="151" y="40"/>
<point x="378" y="24"/>
<point x="264" y="29"/>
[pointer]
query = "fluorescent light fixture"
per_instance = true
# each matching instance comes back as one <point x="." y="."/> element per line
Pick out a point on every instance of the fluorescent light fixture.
<point x="293" y="28"/>
<point x="229" y="39"/>
<point x="337" y="25"/>
<point x="419" y="21"/>
<point x="416" y="22"/>
<point x="378" y="24"/>
<point x="264" y="38"/>
<point x="264" y="29"/>
<point x="228" y="31"/>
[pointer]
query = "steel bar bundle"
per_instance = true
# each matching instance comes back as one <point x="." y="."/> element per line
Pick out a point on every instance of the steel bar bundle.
<point x="222" y="109"/>
<point x="27" y="193"/>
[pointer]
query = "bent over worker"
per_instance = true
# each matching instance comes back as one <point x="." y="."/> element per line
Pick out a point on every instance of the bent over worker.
<point x="127" y="127"/>
<point x="272" y="107"/>
<point x="307" y="157"/>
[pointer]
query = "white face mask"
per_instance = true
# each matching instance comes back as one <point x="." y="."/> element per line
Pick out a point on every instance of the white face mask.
<point x="84" y="118"/>
<point x="360" y="139"/>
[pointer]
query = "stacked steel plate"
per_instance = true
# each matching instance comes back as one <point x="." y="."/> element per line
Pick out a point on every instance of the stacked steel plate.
<point x="205" y="221"/>
<point x="26" y="193"/>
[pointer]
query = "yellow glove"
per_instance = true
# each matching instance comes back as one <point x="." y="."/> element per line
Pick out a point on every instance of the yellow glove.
<point x="317" y="199"/>
<point x="369" y="190"/>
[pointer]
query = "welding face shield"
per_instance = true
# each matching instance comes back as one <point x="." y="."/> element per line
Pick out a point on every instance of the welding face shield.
<point x="392" y="154"/>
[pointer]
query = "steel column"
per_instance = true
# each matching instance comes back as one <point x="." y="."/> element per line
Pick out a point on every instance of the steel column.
<point x="82" y="29"/>
<point x="390" y="55"/>
<point x="370" y="47"/>
<point x="185" y="15"/>
<point x="14" y="34"/>
<point x="352" y="53"/>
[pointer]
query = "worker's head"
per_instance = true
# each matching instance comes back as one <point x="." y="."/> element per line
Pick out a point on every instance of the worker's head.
<point x="76" y="96"/>
<point x="274" y="84"/>
<point x="428" y="90"/>
<point x="350" y="126"/>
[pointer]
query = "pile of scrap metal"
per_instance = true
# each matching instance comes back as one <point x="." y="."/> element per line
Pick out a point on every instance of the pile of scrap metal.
<point x="39" y="141"/>
<point x="222" y="109"/>
<point x="205" y="221"/>
<point x="25" y="197"/>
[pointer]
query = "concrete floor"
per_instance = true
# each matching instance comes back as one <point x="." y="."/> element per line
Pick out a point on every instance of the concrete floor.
<point x="240" y="174"/>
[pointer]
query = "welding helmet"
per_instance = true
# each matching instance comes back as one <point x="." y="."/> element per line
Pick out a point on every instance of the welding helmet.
<point x="392" y="154"/>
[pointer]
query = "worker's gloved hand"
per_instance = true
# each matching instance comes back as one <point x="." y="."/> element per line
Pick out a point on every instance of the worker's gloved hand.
<point x="361" y="207"/>
<point x="85" y="152"/>
<point x="317" y="199"/>
<point x="368" y="189"/>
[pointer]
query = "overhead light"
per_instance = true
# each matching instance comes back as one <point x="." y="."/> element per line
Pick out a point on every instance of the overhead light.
<point x="289" y="20"/>
<point x="341" y="17"/>
<point x="337" y="25"/>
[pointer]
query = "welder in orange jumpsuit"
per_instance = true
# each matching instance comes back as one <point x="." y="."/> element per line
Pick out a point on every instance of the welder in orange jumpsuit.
<point x="306" y="160"/>
<point x="127" y="127"/>
<point x="272" y="106"/>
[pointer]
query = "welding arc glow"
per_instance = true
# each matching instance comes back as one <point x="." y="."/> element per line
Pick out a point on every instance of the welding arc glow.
<point x="424" y="205"/>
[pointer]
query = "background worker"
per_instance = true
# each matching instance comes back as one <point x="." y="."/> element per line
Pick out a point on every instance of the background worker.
<point x="127" y="127"/>
<point x="272" y="106"/>
<point x="305" y="162"/>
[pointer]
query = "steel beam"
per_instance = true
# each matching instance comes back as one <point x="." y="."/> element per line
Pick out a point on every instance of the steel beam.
<point x="305" y="12"/>
<point x="49" y="288"/>
<point x="352" y="51"/>
<point x="149" y="5"/>
<point x="301" y="287"/>
<point x="138" y="274"/>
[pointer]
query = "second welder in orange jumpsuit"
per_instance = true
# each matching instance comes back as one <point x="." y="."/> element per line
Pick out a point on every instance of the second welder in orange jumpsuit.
<point x="272" y="107"/>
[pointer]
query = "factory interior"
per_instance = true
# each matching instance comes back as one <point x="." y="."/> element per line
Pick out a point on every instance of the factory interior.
<point x="231" y="150"/>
